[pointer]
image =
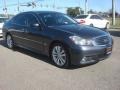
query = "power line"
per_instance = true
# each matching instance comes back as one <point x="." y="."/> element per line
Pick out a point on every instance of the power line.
<point x="15" y="4"/>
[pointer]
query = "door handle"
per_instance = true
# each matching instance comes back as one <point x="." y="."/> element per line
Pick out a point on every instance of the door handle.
<point x="22" y="29"/>
<point x="26" y="31"/>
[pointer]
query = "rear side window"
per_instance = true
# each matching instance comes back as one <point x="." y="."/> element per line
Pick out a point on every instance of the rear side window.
<point x="19" y="20"/>
<point x="95" y="17"/>
<point x="81" y="17"/>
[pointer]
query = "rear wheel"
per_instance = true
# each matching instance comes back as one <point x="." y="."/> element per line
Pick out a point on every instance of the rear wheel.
<point x="9" y="41"/>
<point x="107" y="26"/>
<point x="59" y="55"/>
<point x="91" y="25"/>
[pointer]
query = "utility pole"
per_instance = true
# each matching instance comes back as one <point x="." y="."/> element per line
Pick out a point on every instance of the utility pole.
<point x="18" y="6"/>
<point x="54" y="4"/>
<point x="5" y="8"/>
<point x="113" y="12"/>
<point x="79" y="6"/>
<point x="86" y="6"/>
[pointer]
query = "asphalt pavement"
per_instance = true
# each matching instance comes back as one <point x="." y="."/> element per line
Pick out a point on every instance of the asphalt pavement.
<point x="25" y="70"/>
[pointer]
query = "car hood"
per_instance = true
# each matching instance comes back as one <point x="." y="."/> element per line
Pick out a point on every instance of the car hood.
<point x="80" y="30"/>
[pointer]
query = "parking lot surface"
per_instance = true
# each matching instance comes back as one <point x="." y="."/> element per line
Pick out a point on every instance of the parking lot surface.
<point x="25" y="70"/>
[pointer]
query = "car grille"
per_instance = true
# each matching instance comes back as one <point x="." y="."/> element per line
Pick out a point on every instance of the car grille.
<point x="103" y="40"/>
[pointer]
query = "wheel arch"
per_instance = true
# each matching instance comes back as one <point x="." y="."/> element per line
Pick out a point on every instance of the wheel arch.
<point x="66" y="47"/>
<point x="60" y="42"/>
<point x="7" y="33"/>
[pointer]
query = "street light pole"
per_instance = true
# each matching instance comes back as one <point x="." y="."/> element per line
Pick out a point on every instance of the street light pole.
<point x="54" y="4"/>
<point x="5" y="8"/>
<point x="113" y="12"/>
<point x="18" y="6"/>
<point x="86" y="4"/>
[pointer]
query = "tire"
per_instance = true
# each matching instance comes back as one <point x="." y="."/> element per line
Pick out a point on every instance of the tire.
<point x="107" y="26"/>
<point x="91" y="25"/>
<point x="9" y="41"/>
<point x="59" y="55"/>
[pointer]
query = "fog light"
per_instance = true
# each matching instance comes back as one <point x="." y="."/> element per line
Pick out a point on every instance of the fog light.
<point x="86" y="60"/>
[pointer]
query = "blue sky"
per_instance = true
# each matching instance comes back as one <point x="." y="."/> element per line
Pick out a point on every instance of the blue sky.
<point x="98" y="5"/>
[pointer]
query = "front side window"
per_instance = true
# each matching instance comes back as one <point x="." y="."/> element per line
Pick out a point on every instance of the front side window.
<point x="96" y="17"/>
<point x="82" y="17"/>
<point x="31" y="19"/>
<point x="51" y="19"/>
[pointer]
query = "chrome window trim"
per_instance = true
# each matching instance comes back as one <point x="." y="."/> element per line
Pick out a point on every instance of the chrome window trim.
<point x="100" y="36"/>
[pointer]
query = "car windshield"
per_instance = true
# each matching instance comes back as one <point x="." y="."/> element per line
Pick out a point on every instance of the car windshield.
<point x="81" y="16"/>
<point x="2" y="20"/>
<point x="53" y="19"/>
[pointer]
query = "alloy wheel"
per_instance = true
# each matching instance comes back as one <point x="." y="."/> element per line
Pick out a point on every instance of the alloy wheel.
<point x="59" y="56"/>
<point x="9" y="41"/>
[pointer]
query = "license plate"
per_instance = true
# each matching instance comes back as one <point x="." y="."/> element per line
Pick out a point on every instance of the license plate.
<point x="109" y="50"/>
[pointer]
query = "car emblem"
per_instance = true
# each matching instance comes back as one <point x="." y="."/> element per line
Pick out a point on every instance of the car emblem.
<point x="105" y="40"/>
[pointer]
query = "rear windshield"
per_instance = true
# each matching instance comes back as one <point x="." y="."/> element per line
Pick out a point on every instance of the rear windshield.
<point x="2" y="20"/>
<point x="81" y="16"/>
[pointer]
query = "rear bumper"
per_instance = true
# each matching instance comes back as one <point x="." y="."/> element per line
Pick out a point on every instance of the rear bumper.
<point x="89" y="55"/>
<point x="1" y="33"/>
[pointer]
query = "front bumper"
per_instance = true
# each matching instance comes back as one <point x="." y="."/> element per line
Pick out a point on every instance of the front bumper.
<point x="88" y="55"/>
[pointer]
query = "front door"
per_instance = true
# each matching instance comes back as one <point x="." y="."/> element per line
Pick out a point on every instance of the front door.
<point x="34" y="34"/>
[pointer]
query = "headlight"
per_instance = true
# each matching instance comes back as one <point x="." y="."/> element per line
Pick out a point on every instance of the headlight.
<point x="80" y="41"/>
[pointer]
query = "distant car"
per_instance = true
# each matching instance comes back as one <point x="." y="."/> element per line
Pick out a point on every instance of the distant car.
<point x="57" y="36"/>
<point x="93" y="20"/>
<point x="2" y="20"/>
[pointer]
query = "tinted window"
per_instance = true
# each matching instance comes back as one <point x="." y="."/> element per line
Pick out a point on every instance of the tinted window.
<point x="2" y="20"/>
<point x="51" y="19"/>
<point x="31" y="19"/>
<point x="19" y="19"/>
<point x="95" y="17"/>
<point x="81" y="17"/>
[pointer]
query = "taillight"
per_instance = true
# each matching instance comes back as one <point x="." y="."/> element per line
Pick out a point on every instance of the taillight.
<point x="82" y="21"/>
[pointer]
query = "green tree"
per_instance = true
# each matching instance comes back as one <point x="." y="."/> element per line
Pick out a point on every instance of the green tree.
<point x="73" y="12"/>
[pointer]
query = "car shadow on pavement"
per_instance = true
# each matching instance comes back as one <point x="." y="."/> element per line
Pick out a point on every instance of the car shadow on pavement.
<point x="40" y="56"/>
<point x="27" y="52"/>
<point x="115" y="33"/>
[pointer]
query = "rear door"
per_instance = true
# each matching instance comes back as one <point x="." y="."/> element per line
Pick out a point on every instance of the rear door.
<point x="18" y="27"/>
<point x="96" y="20"/>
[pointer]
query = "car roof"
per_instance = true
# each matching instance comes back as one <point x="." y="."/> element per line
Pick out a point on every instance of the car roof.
<point x="39" y="12"/>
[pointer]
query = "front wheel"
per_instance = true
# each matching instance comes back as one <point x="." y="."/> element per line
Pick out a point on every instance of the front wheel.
<point x="9" y="41"/>
<point x="60" y="56"/>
